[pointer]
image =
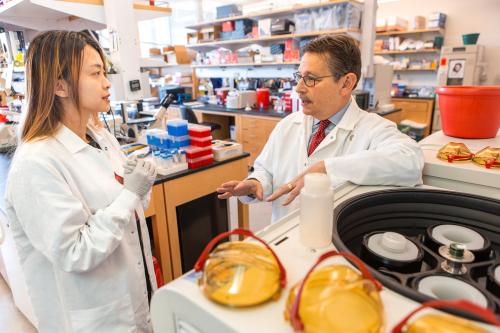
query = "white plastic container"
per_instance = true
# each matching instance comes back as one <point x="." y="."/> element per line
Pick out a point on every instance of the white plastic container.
<point x="316" y="211"/>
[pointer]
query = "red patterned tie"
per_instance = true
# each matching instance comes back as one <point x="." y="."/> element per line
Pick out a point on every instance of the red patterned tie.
<point x="318" y="136"/>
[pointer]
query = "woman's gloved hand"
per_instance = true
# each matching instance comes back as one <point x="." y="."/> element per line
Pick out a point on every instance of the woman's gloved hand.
<point x="139" y="176"/>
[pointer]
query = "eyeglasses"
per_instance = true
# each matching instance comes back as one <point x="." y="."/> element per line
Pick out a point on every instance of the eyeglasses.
<point x="309" y="81"/>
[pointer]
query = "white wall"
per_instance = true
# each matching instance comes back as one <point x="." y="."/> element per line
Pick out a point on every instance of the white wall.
<point x="463" y="16"/>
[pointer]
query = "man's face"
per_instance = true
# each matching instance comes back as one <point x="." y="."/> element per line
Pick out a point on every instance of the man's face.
<point x="327" y="96"/>
<point x="93" y="85"/>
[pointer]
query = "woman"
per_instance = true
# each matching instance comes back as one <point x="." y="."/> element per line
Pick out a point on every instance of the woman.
<point x="81" y="234"/>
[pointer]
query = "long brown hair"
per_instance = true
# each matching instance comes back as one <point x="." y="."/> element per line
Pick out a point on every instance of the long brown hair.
<point x="52" y="56"/>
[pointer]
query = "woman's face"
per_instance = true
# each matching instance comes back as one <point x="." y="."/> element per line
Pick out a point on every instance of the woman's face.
<point x="93" y="85"/>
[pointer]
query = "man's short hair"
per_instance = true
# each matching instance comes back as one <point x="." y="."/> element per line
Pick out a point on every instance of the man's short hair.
<point x="341" y="52"/>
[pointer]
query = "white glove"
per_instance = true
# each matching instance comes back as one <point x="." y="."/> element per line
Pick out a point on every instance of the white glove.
<point x="140" y="178"/>
<point x="130" y="164"/>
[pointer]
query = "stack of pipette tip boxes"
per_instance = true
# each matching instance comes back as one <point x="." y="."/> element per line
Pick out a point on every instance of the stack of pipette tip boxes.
<point x="200" y="152"/>
<point x="166" y="146"/>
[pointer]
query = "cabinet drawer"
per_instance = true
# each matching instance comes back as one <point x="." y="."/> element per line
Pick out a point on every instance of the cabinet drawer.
<point x="254" y="134"/>
<point x="416" y="110"/>
<point x="250" y="123"/>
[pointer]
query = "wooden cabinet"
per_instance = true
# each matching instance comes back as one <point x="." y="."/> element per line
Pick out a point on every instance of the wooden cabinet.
<point x="416" y="110"/>
<point x="253" y="133"/>
<point x="394" y="116"/>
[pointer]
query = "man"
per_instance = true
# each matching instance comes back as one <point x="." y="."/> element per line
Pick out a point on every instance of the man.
<point x="331" y="135"/>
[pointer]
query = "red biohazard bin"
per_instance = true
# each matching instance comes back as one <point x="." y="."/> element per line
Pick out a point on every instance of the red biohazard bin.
<point x="471" y="112"/>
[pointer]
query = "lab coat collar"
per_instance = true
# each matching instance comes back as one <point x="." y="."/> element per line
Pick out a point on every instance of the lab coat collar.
<point x="351" y="116"/>
<point x="70" y="140"/>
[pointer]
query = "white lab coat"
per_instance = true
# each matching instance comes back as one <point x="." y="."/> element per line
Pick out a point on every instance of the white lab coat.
<point x="363" y="148"/>
<point x="75" y="231"/>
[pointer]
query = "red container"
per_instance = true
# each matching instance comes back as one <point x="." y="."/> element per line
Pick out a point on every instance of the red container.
<point x="471" y="112"/>
<point x="263" y="98"/>
<point x="195" y="152"/>
<point x="201" y="142"/>
<point x="200" y="161"/>
<point x="198" y="131"/>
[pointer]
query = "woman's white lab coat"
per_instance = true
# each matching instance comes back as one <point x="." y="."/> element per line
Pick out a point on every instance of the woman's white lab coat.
<point x="75" y="231"/>
<point x="363" y="148"/>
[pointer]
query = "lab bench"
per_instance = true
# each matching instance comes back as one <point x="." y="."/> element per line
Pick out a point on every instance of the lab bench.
<point x="186" y="213"/>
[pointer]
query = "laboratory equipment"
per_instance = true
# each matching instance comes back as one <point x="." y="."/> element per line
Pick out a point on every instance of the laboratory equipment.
<point x="240" y="274"/>
<point x="180" y="306"/>
<point x="330" y="299"/>
<point x="379" y="86"/>
<point x="440" y="223"/>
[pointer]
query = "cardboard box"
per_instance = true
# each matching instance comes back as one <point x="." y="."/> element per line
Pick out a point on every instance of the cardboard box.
<point x="210" y="34"/>
<point x="154" y="91"/>
<point x="180" y="55"/>
<point x="378" y="45"/>
<point x="167" y="49"/>
<point x="193" y="37"/>
<point x="418" y="23"/>
<point x="154" y="51"/>
<point x="3" y="98"/>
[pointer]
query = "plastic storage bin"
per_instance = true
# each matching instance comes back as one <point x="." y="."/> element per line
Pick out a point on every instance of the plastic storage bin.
<point x="470" y="39"/>
<point x="200" y="161"/>
<point x="195" y="152"/>
<point x="413" y="129"/>
<point x="177" y="127"/>
<point x="471" y="112"/>
<point x="201" y="142"/>
<point x="198" y="131"/>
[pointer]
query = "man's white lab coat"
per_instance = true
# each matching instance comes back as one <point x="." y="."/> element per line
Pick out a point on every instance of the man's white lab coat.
<point x="75" y="231"/>
<point x="363" y="148"/>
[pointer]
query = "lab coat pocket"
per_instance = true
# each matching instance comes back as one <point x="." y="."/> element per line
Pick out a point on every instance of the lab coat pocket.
<point x="114" y="317"/>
